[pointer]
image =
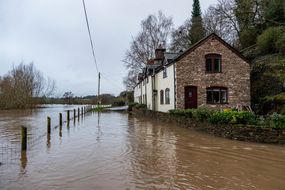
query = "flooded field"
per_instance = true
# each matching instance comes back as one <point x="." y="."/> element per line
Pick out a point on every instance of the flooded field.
<point x="118" y="151"/>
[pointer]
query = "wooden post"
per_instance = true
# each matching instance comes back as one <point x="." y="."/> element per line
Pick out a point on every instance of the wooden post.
<point x="48" y="125"/>
<point x="68" y="115"/>
<point x="74" y="113"/>
<point x="99" y="101"/>
<point x="82" y="111"/>
<point x="78" y="112"/>
<point x="60" y="119"/>
<point x="24" y="138"/>
<point x="60" y="131"/>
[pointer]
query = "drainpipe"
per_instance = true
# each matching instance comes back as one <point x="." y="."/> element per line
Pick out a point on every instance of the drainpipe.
<point x="145" y="85"/>
<point x="174" y="81"/>
<point x="152" y="88"/>
<point x="141" y="93"/>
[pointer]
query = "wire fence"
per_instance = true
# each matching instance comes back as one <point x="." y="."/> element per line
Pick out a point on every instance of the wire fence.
<point x="36" y="124"/>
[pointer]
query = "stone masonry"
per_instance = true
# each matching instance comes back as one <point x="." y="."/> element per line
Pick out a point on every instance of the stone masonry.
<point x="235" y="75"/>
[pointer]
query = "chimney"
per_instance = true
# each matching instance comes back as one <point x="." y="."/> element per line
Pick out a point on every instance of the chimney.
<point x="159" y="53"/>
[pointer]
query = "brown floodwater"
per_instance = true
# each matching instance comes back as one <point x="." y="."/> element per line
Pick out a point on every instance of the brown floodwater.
<point x="119" y="151"/>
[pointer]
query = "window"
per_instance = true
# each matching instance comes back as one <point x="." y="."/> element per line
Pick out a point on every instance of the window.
<point x="167" y="96"/>
<point x="217" y="95"/>
<point x="213" y="63"/>
<point x="161" y="97"/>
<point x="164" y="72"/>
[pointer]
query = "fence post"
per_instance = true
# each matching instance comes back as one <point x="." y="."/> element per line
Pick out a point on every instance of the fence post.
<point x="48" y="125"/>
<point x="68" y="116"/>
<point x="24" y="138"/>
<point x="60" y="119"/>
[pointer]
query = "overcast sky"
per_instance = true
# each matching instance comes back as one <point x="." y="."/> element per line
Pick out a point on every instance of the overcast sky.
<point x="53" y="35"/>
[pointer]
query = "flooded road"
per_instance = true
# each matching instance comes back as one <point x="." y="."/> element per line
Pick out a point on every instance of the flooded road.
<point x="118" y="151"/>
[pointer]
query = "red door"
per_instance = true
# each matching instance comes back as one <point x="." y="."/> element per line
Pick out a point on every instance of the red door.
<point x="190" y="97"/>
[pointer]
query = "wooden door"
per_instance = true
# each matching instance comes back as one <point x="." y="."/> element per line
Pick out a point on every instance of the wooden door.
<point x="190" y="97"/>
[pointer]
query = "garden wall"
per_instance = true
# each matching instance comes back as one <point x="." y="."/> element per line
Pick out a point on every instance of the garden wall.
<point x="236" y="132"/>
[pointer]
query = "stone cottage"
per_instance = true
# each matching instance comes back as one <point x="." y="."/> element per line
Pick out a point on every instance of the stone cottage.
<point x="211" y="73"/>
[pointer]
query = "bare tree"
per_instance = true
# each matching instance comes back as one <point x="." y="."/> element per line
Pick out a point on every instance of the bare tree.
<point x="181" y="37"/>
<point x="22" y="85"/>
<point x="155" y="30"/>
<point x="221" y="20"/>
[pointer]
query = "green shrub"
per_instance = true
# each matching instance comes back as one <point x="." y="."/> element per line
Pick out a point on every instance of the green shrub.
<point x="276" y="121"/>
<point x="245" y="117"/>
<point x="248" y="37"/>
<point x="131" y="105"/>
<point x="182" y="112"/>
<point x="267" y="42"/>
<point x="280" y="43"/>
<point x="202" y="113"/>
<point x="233" y="117"/>
<point x="141" y="106"/>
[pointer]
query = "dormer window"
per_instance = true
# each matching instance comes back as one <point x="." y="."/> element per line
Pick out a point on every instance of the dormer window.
<point x="213" y="63"/>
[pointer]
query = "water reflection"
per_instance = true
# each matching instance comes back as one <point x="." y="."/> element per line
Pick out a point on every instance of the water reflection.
<point x="119" y="151"/>
<point x="24" y="161"/>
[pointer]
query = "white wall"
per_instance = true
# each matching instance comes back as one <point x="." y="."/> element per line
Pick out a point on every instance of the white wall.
<point x="149" y="93"/>
<point x="137" y="94"/>
<point x="163" y="83"/>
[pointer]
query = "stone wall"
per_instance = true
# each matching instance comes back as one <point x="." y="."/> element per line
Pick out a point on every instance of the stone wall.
<point x="235" y="75"/>
<point x="236" y="132"/>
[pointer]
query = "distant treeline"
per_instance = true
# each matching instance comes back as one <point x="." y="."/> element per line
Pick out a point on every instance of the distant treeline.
<point x="105" y="99"/>
<point x="26" y="87"/>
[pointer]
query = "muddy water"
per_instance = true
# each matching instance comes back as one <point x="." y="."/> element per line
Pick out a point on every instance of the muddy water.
<point x="118" y="151"/>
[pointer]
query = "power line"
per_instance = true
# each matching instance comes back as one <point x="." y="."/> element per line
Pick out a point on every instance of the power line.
<point x="91" y="42"/>
<point x="111" y="81"/>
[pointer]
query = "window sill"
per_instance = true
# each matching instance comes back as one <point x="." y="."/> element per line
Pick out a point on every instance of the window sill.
<point x="212" y="103"/>
<point x="207" y="72"/>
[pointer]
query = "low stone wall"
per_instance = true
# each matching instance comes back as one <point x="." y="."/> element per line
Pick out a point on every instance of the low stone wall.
<point x="236" y="132"/>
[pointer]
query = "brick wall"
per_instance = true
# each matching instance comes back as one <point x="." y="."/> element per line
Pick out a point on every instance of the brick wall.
<point x="235" y="75"/>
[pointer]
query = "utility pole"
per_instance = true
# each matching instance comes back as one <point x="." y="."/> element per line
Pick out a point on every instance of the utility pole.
<point x="99" y="77"/>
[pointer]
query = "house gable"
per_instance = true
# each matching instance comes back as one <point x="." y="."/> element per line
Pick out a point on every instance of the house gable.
<point x="191" y="72"/>
<point x="210" y="37"/>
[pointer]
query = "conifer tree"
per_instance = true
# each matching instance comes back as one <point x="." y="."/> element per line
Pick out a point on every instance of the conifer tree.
<point x="197" y="31"/>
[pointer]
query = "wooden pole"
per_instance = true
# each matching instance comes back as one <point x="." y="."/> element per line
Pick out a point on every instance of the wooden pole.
<point x="60" y="131"/>
<point x="68" y="115"/>
<point x="82" y="111"/>
<point x="78" y="112"/>
<point x="24" y="138"/>
<point x="60" y="119"/>
<point x="74" y="113"/>
<point x="99" y="77"/>
<point x="48" y="125"/>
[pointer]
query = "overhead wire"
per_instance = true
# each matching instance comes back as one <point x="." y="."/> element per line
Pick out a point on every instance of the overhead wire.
<point x="110" y="81"/>
<point x="90" y="37"/>
<point x="93" y="49"/>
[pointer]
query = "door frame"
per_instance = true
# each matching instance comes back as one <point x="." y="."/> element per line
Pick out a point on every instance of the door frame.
<point x="195" y="101"/>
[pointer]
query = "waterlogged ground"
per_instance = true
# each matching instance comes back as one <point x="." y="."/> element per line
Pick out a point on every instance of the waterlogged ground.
<point x="118" y="151"/>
